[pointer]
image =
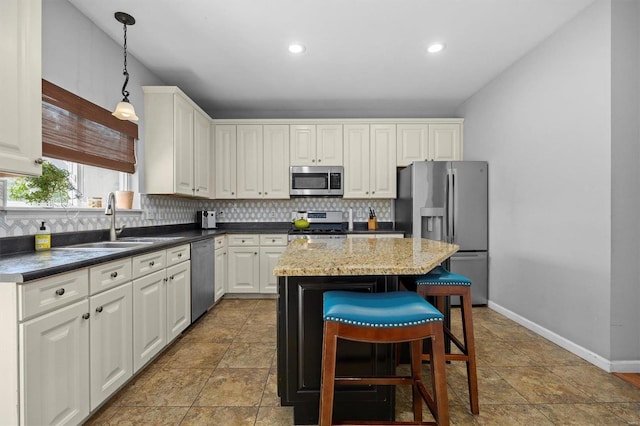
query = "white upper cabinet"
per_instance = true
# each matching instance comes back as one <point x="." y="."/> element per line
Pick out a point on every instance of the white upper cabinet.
<point x="276" y="161"/>
<point x="177" y="144"/>
<point x="21" y="87"/>
<point x="428" y="141"/>
<point x="316" y="145"/>
<point x="370" y="160"/>
<point x="249" y="161"/>
<point x="225" y="161"/>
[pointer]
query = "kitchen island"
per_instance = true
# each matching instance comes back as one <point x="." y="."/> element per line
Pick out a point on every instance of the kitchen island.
<point x="305" y="271"/>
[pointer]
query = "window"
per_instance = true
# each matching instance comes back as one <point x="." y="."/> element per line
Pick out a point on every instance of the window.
<point x="96" y="148"/>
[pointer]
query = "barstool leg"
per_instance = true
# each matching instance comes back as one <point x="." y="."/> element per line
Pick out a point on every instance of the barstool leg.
<point x="416" y="373"/>
<point x="469" y="343"/>
<point x="439" y="379"/>
<point x="327" y="384"/>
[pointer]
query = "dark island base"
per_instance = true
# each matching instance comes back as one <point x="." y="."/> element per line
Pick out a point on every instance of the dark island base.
<point x="300" y="352"/>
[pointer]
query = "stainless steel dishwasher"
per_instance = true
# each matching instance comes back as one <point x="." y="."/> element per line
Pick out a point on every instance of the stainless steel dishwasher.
<point x="202" y="277"/>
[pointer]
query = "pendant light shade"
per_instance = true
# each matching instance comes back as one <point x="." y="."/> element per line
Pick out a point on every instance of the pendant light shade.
<point x="124" y="109"/>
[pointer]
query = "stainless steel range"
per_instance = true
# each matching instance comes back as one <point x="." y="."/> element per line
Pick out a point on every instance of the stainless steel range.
<point x="322" y="225"/>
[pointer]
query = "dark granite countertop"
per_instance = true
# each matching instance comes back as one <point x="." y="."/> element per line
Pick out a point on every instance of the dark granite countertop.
<point x="19" y="263"/>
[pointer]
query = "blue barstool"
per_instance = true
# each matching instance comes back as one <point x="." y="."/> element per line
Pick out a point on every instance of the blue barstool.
<point x="439" y="283"/>
<point x="385" y="318"/>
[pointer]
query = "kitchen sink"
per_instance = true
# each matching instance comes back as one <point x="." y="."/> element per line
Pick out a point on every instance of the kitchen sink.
<point x="102" y="245"/>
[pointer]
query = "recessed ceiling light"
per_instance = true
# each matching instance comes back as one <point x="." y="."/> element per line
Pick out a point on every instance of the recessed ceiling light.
<point x="435" y="47"/>
<point x="296" y="48"/>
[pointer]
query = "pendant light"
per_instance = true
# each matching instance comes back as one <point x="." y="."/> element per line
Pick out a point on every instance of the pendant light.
<point x="124" y="109"/>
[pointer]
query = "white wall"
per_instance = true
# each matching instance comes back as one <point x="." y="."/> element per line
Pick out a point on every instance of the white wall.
<point x="82" y="59"/>
<point x="544" y="125"/>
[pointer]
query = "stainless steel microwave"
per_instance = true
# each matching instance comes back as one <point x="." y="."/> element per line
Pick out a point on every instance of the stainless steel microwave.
<point x="316" y="181"/>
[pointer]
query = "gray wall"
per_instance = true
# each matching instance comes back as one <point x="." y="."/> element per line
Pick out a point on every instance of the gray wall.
<point x="563" y="184"/>
<point x="625" y="180"/>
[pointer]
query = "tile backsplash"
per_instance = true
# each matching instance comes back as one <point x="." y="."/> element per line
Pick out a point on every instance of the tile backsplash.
<point x="162" y="210"/>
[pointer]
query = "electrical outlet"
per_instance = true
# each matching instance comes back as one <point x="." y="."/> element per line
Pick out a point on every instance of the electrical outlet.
<point x="150" y="216"/>
<point x="360" y="213"/>
<point x="273" y="212"/>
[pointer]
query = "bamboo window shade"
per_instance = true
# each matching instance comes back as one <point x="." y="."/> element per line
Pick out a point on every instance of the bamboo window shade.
<point x="75" y="129"/>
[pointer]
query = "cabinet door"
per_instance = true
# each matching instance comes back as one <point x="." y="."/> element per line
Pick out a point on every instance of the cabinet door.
<point x="268" y="258"/>
<point x="244" y="270"/>
<point x="249" y="172"/>
<point x="329" y="145"/>
<point x="225" y="160"/>
<point x="21" y="87"/>
<point x="149" y="317"/>
<point x="356" y="160"/>
<point x="445" y="142"/>
<point x="382" y="180"/>
<point x="276" y="161"/>
<point x="203" y="156"/>
<point x="178" y="299"/>
<point x="55" y="366"/>
<point x="303" y="145"/>
<point x="220" y="273"/>
<point x="413" y="143"/>
<point x="183" y="146"/>
<point x="111" y="341"/>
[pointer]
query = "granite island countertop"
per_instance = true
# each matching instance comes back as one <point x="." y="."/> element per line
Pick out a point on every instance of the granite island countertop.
<point x="389" y="256"/>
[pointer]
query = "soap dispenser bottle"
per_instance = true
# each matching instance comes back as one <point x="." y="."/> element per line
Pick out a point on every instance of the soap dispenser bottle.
<point x="43" y="238"/>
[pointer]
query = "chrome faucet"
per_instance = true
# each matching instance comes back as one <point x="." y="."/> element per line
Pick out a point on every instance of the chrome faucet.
<point x="111" y="211"/>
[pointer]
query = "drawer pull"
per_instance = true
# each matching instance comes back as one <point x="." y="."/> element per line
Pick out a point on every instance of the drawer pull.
<point x="273" y="241"/>
<point x="86" y="316"/>
<point x="243" y="241"/>
<point x="255" y="252"/>
<point x="114" y="274"/>
<point x="99" y="309"/>
<point x="60" y="291"/>
<point x="179" y="255"/>
<point x="152" y="263"/>
<point x="171" y="277"/>
<point x="165" y="279"/>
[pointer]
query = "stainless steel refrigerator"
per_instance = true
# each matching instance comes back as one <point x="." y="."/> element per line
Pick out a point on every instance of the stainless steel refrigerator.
<point x="447" y="201"/>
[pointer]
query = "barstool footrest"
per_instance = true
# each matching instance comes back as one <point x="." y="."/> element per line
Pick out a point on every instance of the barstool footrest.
<point x="394" y="380"/>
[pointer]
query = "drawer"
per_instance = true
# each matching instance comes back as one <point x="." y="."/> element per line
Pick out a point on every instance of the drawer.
<point x="273" y="239"/>
<point x="109" y="275"/>
<point x="178" y="254"/>
<point x="148" y="263"/>
<point x="244" y="240"/>
<point x="51" y="293"/>
<point x="220" y="242"/>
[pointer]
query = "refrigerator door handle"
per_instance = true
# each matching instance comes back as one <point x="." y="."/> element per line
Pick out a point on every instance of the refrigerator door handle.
<point x="448" y="207"/>
<point x="453" y="205"/>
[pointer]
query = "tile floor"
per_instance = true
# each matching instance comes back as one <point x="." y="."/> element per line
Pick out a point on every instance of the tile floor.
<point x="222" y="371"/>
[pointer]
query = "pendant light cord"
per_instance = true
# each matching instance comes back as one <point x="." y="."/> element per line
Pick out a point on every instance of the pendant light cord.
<point x="125" y="93"/>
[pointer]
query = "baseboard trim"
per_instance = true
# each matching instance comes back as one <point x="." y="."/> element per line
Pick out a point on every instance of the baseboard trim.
<point x="632" y="366"/>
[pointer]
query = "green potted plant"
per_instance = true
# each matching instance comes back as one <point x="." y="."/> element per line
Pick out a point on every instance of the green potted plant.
<point x="53" y="186"/>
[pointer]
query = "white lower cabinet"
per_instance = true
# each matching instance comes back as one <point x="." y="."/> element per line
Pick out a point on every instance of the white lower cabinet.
<point x="76" y="338"/>
<point x="251" y="261"/>
<point x="161" y="302"/>
<point x="54" y="367"/>
<point x="149" y="317"/>
<point x="220" y="281"/>
<point x="111" y="341"/>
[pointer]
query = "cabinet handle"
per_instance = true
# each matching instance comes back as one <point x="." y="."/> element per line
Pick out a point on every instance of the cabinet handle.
<point x="243" y="241"/>
<point x="273" y="241"/>
<point x="165" y="279"/>
<point x="265" y="193"/>
<point x="313" y="161"/>
<point x="152" y="263"/>
<point x="259" y="193"/>
<point x="114" y="274"/>
<point x="373" y="192"/>
<point x="255" y="252"/>
<point x="86" y="316"/>
<point x="233" y="193"/>
<point x="60" y="291"/>
<point x="179" y="255"/>
<point x="367" y="192"/>
<point x="99" y="309"/>
<point x="171" y="277"/>
<point x="38" y="161"/>
<point x="319" y="160"/>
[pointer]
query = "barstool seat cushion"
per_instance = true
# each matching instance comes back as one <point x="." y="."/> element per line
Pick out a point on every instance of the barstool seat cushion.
<point x="393" y="309"/>
<point x="440" y="276"/>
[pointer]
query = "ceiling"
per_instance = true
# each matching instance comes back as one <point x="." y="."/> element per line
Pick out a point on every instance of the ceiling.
<point x="363" y="58"/>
